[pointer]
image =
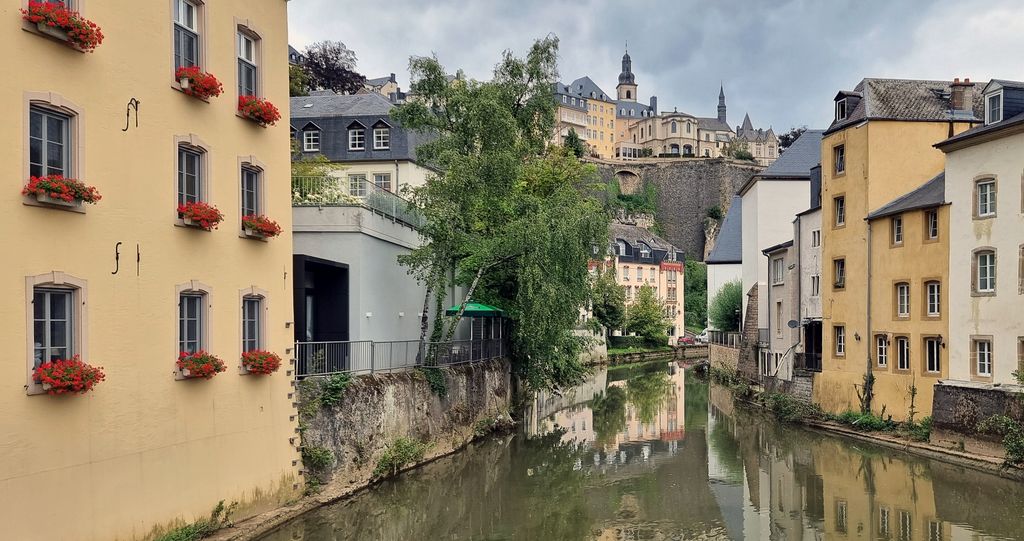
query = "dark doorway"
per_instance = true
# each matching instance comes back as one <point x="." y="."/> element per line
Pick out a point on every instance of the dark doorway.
<point x="812" y="346"/>
<point x="321" y="296"/>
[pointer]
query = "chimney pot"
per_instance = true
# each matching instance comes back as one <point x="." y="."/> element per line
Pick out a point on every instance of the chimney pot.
<point x="967" y="79"/>
<point x="956" y="80"/>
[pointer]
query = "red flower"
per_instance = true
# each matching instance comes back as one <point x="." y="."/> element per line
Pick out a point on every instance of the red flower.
<point x="67" y="376"/>
<point x="200" y="84"/>
<point x="201" y="213"/>
<point x="261" y="362"/>
<point x="258" y="109"/>
<point x="200" y="364"/>
<point x="261" y="224"/>
<point x="58" y="187"/>
<point x="82" y="32"/>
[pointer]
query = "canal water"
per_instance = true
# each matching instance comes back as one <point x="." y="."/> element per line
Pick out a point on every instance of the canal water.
<point x="651" y="452"/>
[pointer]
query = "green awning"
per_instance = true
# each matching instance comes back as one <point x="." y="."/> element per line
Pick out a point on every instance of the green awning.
<point x="476" y="309"/>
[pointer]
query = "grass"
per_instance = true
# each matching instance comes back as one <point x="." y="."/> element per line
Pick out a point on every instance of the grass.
<point x="401" y="452"/>
<point x="203" y="528"/>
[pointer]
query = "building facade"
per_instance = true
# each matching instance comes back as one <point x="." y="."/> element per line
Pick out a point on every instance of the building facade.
<point x="807" y="240"/>
<point x="570" y="114"/>
<point x="643" y="258"/>
<point x="598" y="129"/>
<point x="127" y="284"/>
<point x="878" y="150"/>
<point x="725" y="262"/>
<point x="762" y="144"/>
<point x="986" y="249"/>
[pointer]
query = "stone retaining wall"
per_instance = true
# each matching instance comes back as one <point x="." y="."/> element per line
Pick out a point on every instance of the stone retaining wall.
<point x="958" y="407"/>
<point x="723" y="356"/>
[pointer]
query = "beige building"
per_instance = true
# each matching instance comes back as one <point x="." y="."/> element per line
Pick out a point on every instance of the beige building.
<point x="598" y="108"/>
<point x="643" y="258"/>
<point x="127" y="284"/>
<point x="762" y="144"/>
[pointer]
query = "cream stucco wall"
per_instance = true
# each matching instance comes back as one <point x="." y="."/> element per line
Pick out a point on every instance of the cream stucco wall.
<point x="999" y="315"/>
<point x="144" y="449"/>
<point x="810" y="264"/>
<point x="626" y="277"/>
<point x="405" y="174"/>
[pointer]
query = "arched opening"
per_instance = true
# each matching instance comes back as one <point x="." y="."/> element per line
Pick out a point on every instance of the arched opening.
<point x="674" y="149"/>
<point x="629" y="95"/>
<point x="687" y="150"/>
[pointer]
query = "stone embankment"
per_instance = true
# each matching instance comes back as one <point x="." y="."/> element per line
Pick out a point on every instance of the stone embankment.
<point x="675" y="354"/>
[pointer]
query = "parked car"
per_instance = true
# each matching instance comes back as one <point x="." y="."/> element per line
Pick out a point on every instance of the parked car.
<point x="685" y="341"/>
<point x="702" y="338"/>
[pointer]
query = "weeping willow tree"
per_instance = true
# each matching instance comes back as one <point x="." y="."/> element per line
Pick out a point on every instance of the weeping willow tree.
<point x="507" y="211"/>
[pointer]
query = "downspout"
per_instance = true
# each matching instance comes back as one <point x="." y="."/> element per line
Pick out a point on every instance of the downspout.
<point x="768" y="258"/>
<point x="398" y="184"/>
<point x="868" y="376"/>
<point x="799" y="290"/>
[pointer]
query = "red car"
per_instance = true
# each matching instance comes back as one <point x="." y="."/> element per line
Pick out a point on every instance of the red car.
<point x="685" y="341"/>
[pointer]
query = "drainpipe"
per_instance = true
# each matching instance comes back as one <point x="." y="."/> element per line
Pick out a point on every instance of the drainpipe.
<point x="398" y="185"/>
<point x="867" y="331"/>
<point x="768" y="258"/>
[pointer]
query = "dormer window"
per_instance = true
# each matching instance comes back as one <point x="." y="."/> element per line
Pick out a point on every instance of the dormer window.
<point x="841" y="110"/>
<point x="645" y="251"/>
<point x="994" y="108"/>
<point x="620" y="248"/>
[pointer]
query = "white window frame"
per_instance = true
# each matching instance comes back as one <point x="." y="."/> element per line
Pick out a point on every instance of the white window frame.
<point x="639" y="274"/>
<point x="932" y="355"/>
<point x="933" y="290"/>
<point x="903" y="300"/>
<point x="983" y="358"/>
<point x="986" y="205"/>
<point x="182" y="194"/>
<point x="201" y="318"/>
<point x="839" y="273"/>
<point x="357" y="138"/>
<point x="357" y="184"/>
<point x="839" y="159"/>
<point x="66" y="142"/>
<point x="815" y="238"/>
<point x="180" y="21"/>
<point x="49" y="320"/>
<point x="382" y="181"/>
<point x="815" y="285"/>
<point x="840" y="210"/>
<point x="257" y="341"/>
<point x="841" y="112"/>
<point x="986" y="283"/>
<point x="311" y="140"/>
<point x="250" y="58"/>
<point x="381" y="138"/>
<point x="990" y="117"/>
<point x="839" y="332"/>
<point x="902" y="353"/>
<point x="897" y="229"/>
<point x="931" y="222"/>
<point x="251" y="173"/>
<point x="625" y="273"/>
<point x="882" y="351"/>
<point x="645" y="250"/>
<point x="778" y="268"/>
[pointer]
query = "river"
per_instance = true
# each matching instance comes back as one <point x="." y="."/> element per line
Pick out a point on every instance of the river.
<point x="651" y="452"/>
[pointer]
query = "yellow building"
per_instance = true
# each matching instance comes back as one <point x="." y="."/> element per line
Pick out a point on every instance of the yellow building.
<point x="644" y="259"/>
<point x="126" y="284"/>
<point x="598" y="115"/>
<point x="877" y="151"/>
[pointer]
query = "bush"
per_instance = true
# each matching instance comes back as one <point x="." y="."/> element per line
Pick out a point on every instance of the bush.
<point x="333" y="387"/>
<point x="435" y="378"/>
<point x="401" y="452"/>
<point x="786" y="408"/>
<point x="920" y="431"/>
<point x="1012" y="433"/>
<point x="626" y="342"/>
<point x="725" y="307"/>
<point x="317" y="459"/>
<point x="866" y="422"/>
<point x="201" y="529"/>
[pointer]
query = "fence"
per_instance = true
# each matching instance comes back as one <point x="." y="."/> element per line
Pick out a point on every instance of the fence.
<point x="354" y="191"/>
<point x="366" y="357"/>
<point x="722" y="338"/>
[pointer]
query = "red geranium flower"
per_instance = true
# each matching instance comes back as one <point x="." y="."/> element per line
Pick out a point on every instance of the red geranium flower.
<point x="58" y="187"/>
<point x="258" y="109"/>
<point x="200" y="364"/>
<point x="261" y="362"/>
<point x="203" y="214"/>
<point x="82" y="32"/>
<point x="262" y="225"/>
<point x="200" y="84"/>
<point x="67" y="376"/>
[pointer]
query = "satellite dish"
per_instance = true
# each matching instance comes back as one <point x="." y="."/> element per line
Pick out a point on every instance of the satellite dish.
<point x="792" y="324"/>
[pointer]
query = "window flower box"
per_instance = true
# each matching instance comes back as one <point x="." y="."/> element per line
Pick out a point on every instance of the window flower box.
<point x="258" y="110"/>
<point x="258" y="226"/>
<point x="65" y="376"/>
<point x="200" y="214"/>
<point x="260" y="362"/>
<point x="58" y="191"/>
<point x="199" y="365"/>
<point x="197" y="83"/>
<point x="55" y="20"/>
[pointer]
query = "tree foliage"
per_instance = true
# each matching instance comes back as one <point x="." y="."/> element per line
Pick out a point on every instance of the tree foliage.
<point x="646" y="316"/>
<point x="737" y="150"/>
<point x="298" y="81"/>
<point x="725" y="307"/>
<point x="608" y="300"/>
<point x="331" y="66"/>
<point x="695" y="298"/>
<point x="787" y="139"/>
<point x="505" y="212"/>
<point x="574" y="144"/>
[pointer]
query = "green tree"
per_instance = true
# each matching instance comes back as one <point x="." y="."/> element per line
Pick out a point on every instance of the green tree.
<point x="787" y="139"/>
<point x="505" y="212"/>
<point x="646" y="316"/>
<point x="608" y="300"/>
<point x="725" y="307"/>
<point x="298" y="81"/>
<point x="575" y="144"/>
<point x="737" y="150"/>
<point x="331" y="66"/>
<point x="695" y="299"/>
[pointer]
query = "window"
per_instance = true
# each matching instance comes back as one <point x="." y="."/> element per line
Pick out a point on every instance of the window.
<point x="186" y="34"/>
<point x="357" y="185"/>
<point x="841" y="110"/>
<point x="840" y="339"/>
<point x="778" y="266"/>
<point x="190" y="175"/>
<point x="896" y="225"/>
<point x="906" y="526"/>
<point x="839" y="273"/>
<point x="981" y="350"/>
<point x="250" y="191"/>
<point x="50" y="143"/>
<point x="841" y="518"/>
<point x="381" y="138"/>
<point x="933" y="292"/>
<point x="985" y="271"/>
<point x="356" y="138"/>
<point x="565" y="99"/>
<point x="778" y="318"/>
<point x="815" y="238"/>
<point x="190" y="322"/>
<point x="247" y="66"/>
<point x="932" y="354"/>
<point x="53" y="324"/>
<point x="625" y="273"/>
<point x="252" y="313"/>
<point x="689" y="128"/>
<point x="639" y="274"/>
<point x="993" y="108"/>
<point x="311" y="141"/>
<point x="382" y="181"/>
<point x="839" y="155"/>
<point x="620" y="247"/>
<point x="985" y="198"/>
<point x="673" y="126"/>
<point x="840" y="210"/>
<point x="645" y="251"/>
<point x="883" y="522"/>
<point x="903" y="300"/>
<point x="652" y="274"/>
<point x="882" y="351"/>
<point x="815" y="285"/>
<point x="931" y="224"/>
<point x="902" y="353"/>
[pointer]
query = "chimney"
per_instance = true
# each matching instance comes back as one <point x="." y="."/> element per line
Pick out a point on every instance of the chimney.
<point x="393" y="78"/>
<point x="961" y="95"/>
<point x="654" y="105"/>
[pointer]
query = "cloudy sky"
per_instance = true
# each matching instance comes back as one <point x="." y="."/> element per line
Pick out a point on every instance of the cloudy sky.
<point x="781" y="61"/>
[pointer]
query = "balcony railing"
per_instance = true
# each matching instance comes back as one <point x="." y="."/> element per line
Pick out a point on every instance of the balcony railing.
<point x="722" y="338"/>
<point x="763" y="337"/>
<point x="330" y="191"/>
<point x="366" y="357"/>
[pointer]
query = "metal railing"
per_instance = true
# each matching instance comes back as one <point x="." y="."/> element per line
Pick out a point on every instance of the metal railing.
<point x="325" y="358"/>
<point x="723" y="338"/>
<point x="328" y="191"/>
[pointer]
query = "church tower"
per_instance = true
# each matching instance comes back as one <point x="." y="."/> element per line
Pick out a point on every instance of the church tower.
<point x="627" y="82"/>
<point x="721" y="105"/>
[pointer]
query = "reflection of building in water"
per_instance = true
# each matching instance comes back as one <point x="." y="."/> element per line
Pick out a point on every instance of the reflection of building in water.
<point x="540" y="415"/>
<point x="667" y="422"/>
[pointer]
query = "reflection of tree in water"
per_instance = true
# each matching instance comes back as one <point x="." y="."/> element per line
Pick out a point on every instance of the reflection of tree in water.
<point x="555" y="481"/>
<point x="609" y="410"/>
<point x="647" y="393"/>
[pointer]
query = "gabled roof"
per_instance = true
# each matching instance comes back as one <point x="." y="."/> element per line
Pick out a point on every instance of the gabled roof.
<point x="327" y="103"/>
<point x="729" y="244"/>
<point x="712" y="124"/>
<point x="798" y="159"/>
<point x="777" y="247"/>
<point x="905" y="99"/>
<point x="929" y="194"/>
<point x="379" y="81"/>
<point x="634" y="234"/>
<point x="584" y="86"/>
<point x="978" y="134"/>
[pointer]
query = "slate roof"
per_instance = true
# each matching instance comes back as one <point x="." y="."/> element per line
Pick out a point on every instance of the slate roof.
<point x="324" y="103"/>
<point x="712" y="124"/>
<point x="905" y="99"/>
<point x="634" y="234"/>
<point x="379" y="81"/>
<point x="585" y="85"/>
<point x="798" y="159"/>
<point x="729" y="245"/>
<point x="981" y="130"/>
<point x="627" y="105"/>
<point x="929" y="194"/>
<point x="777" y="247"/>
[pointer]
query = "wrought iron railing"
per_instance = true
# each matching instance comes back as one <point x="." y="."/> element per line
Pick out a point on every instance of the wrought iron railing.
<point x="328" y="191"/>
<point x="722" y="338"/>
<point x="365" y="357"/>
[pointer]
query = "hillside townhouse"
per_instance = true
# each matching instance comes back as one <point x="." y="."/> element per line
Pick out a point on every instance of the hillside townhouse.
<point x="643" y="258"/>
<point x="584" y="107"/>
<point x="131" y="282"/>
<point x="885" y="241"/>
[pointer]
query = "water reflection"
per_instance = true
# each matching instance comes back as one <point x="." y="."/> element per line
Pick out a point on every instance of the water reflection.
<point x="651" y="453"/>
